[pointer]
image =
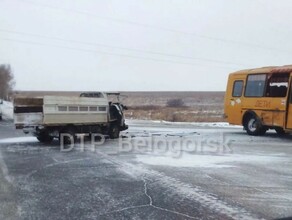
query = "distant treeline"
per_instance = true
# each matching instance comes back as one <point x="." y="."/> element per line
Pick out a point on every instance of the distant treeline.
<point x="6" y="81"/>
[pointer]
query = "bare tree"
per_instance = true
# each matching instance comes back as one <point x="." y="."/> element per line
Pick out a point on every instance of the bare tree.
<point x="6" y="81"/>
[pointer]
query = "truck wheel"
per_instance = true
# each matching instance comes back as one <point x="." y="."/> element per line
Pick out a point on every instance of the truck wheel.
<point x="45" y="138"/>
<point x="280" y="131"/>
<point x="1" y="118"/>
<point x="254" y="127"/>
<point x="114" y="131"/>
<point x="71" y="132"/>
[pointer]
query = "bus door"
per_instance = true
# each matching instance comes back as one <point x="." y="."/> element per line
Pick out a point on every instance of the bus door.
<point x="234" y="100"/>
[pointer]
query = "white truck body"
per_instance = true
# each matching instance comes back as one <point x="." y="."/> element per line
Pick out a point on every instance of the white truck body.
<point x="65" y="110"/>
<point x="55" y="114"/>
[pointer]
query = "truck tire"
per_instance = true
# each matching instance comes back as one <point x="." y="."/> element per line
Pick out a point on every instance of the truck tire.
<point x="114" y="131"/>
<point x="1" y="118"/>
<point x="70" y="131"/>
<point x="45" y="138"/>
<point x="253" y="126"/>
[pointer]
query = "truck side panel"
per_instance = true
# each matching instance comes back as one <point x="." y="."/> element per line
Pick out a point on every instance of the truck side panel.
<point x="75" y="110"/>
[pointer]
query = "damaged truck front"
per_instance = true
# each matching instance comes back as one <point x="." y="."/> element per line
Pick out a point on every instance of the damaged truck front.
<point x="48" y="117"/>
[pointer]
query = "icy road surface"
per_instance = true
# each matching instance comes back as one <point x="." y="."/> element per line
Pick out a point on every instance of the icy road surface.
<point x="156" y="171"/>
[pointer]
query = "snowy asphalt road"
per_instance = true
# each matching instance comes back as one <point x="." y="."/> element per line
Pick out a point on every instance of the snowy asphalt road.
<point x="170" y="172"/>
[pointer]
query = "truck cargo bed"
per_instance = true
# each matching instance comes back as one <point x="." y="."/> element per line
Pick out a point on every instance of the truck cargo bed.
<point x="57" y="110"/>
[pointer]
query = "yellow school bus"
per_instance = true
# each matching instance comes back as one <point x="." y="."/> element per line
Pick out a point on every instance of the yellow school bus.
<point x="260" y="99"/>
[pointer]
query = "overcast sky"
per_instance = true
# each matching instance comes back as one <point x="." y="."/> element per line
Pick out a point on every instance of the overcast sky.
<point x="130" y="45"/>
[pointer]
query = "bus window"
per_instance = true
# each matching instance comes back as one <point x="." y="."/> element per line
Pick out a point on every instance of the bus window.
<point x="237" y="88"/>
<point x="278" y="85"/>
<point x="255" y="85"/>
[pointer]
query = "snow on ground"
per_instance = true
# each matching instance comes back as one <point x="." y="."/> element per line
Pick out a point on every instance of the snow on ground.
<point x="206" y="161"/>
<point x="197" y="124"/>
<point x="7" y="110"/>
<point x="18" y="140"/>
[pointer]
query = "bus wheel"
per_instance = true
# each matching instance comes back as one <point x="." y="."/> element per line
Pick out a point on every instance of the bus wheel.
<point x="280" y="131"/>
<point x="253" y="126"/>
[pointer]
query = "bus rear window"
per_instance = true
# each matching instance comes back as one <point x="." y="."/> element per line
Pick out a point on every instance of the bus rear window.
<point x="255" y="85"/>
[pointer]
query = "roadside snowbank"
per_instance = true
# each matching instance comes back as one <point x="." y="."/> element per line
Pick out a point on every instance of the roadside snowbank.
<point x="7" y="110"/>
<point x="18" y="140"/>
<point x="197" y="124"/>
